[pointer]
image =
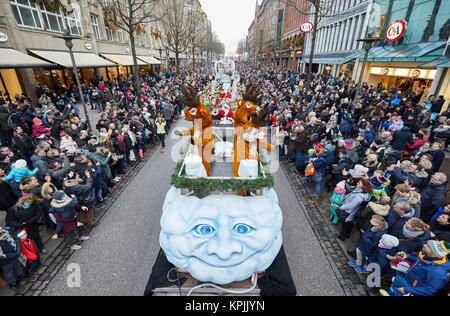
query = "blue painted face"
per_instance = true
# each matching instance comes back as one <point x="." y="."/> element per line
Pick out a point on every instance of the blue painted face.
<point x="221" y="239"/>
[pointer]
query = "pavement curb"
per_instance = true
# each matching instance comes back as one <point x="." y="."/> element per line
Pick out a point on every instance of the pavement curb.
<point x="348" y="279"/>
<point x="59" y="254"/>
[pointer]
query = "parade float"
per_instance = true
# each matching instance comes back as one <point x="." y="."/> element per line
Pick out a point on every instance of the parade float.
<point x="221" y="222"/>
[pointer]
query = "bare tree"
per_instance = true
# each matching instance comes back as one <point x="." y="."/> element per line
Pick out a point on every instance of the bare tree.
<point x="176" y="26"/>
<point x="130" y="15"/>
<point x="318" y="9"/>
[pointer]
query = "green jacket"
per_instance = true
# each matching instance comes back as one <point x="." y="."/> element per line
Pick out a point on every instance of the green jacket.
<point x="104" y="163"/>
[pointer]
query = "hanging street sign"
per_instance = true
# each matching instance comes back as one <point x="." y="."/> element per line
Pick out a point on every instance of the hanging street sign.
<point x="306" y="27"/>
<point x="395" y="30"/>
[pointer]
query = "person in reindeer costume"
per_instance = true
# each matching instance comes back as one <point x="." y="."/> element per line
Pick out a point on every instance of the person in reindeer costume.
<point x="249" y="138"/>
<point x="202" y="134"/>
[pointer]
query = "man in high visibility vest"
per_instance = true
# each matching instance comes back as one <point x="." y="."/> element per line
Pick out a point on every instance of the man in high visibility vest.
<point x="161" y="130"/>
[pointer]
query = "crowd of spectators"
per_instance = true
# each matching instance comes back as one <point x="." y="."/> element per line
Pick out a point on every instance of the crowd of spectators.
<point x="55" y="171"/>
<point x="378" y="155"/>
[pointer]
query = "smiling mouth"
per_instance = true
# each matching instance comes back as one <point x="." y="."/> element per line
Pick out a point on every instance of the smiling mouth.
<point x="223" y="265"/>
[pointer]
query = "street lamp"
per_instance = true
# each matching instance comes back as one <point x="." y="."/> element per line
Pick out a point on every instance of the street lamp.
<point x="68" y="39"/>
<point x="160" y="57"/>
<point x="368" y="44"/>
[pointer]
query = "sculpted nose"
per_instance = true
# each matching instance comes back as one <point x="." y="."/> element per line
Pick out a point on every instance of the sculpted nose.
<point x="224" y="245"/>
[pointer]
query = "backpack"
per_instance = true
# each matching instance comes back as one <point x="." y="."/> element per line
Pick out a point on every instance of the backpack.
<point x="309" y="171"/>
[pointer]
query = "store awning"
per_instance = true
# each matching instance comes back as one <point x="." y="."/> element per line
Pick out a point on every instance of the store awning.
<point x="441" y="62"/>
<point x="149" y="60"/>
<point x="335" y="59"/>
<point x="419" y="52"/>
<point x="62" y="58"/>
<point x="12" y="58"/>
<point x="123" y="60"/>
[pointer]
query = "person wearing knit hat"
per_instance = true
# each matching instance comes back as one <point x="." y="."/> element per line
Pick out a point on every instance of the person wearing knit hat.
<point x="439" y="248"/>
<point x="336" y="201"/>
<point x="368" y="242"/>
<point x="65" y="206"/>
<point x="428" y="273"/>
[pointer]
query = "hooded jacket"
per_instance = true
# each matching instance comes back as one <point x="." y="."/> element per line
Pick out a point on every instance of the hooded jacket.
<point x="427" y="275"/>
<point x="10" y="247"/>
<point x="432" y="196"/>
<point x="368" y="242"/>
<point x="17" y="174"/>
<point x="400" y="138"/>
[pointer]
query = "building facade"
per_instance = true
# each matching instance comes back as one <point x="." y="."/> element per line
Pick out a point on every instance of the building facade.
<point x="338" y="29"/>
<point x="419" y="59"/>
<point x="295" y="13"/>
<point x="29" y="27"/>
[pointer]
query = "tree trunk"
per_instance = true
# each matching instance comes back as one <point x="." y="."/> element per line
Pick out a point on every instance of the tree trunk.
<point x="135" y="67"/>
<point x="313" y="43"/>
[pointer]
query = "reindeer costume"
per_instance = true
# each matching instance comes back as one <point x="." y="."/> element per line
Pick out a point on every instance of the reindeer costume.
<point x="202" y="134"/>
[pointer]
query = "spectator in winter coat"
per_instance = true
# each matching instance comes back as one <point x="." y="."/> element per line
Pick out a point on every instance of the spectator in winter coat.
<point x="352" y="205"/>
<point x="26" y="214"/>
<point x="438" y="156"/>
<point x="39" y="160"/>
<point x="433" y="196"/>
<point x="22" y="144"/>
<point x="414" y="234"/>
<point x="400" y="138"/>
<point x="387" y="247"/>
<point x="368" y="242"/>
<point x="416" y="145"/>
<point x="18" y="171"/>
<point x="440" y="228"/>
<point x="30" y="251"/>
<point x="428" y="273"/>
<point x="399" y="214"/>
<point x="10" y="252"/>
<point x="83" y="192"/>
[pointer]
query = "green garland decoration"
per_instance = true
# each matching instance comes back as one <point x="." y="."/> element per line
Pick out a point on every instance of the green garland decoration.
<point x="222" y="185"/>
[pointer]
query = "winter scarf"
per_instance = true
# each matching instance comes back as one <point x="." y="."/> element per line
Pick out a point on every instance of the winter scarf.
<point x="411" y="234"/>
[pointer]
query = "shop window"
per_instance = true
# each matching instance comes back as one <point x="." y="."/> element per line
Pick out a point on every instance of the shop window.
<point x="26" y="13"/>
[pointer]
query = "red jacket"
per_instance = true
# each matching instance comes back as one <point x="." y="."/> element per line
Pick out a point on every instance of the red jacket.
<point x="29" y="250"/>
<point x="416" y="145"/>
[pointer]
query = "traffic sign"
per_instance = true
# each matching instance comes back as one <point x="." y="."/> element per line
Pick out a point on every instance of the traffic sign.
<point x="395" y="30"/>
<point x="306" y="27"/>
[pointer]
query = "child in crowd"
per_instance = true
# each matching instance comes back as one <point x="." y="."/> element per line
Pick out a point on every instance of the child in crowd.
<point x="336" y="201"/>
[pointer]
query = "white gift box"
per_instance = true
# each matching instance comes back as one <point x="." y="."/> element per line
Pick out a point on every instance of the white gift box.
<point x="194" y="167"/>
<point x="248" y="168"/>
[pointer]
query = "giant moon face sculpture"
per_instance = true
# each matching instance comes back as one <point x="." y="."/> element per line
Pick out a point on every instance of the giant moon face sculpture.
<point x="221" y="238"/>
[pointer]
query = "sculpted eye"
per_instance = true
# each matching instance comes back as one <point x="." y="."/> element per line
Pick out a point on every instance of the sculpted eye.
<point x="204" y="230"/>
<point x="193" y="111"/>
<point x="242" y="229"/>
<point x="249" y="105"/>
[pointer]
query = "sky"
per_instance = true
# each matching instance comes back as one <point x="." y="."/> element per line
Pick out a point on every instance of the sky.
<point x="230" y="19"/>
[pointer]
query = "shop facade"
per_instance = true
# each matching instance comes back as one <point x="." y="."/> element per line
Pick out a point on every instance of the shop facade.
<point x="30" y="28"/>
